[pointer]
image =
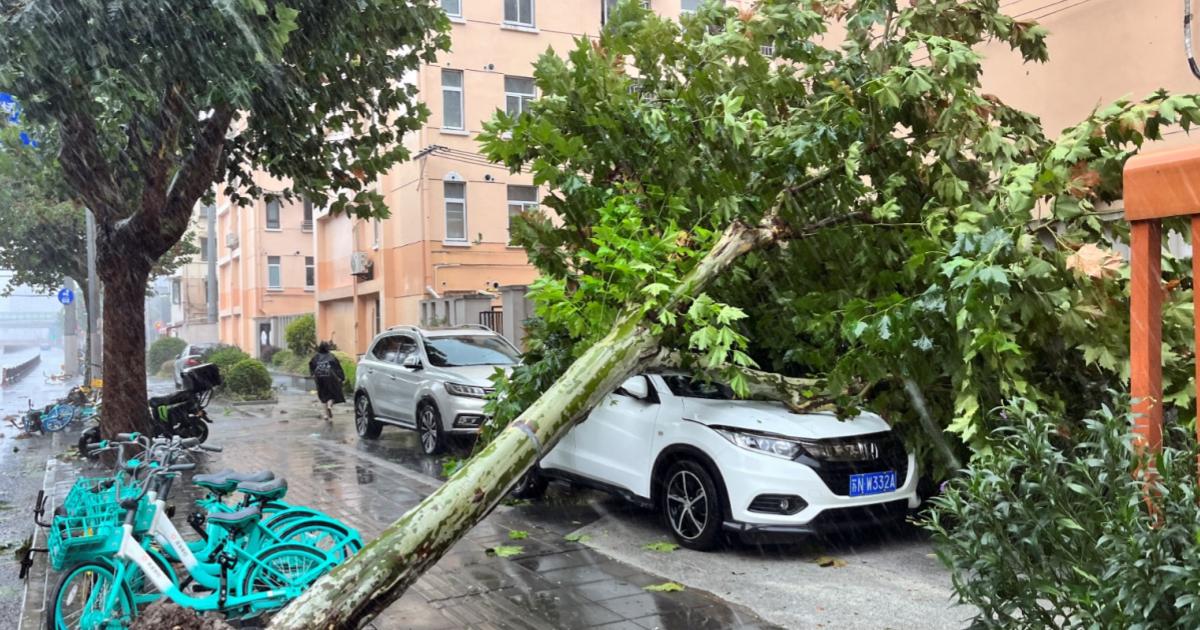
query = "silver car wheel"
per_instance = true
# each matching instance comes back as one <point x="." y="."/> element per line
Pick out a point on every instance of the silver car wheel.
<point x="687" y="505"/>
<point x="428" y="429"/>
<point x="360" y="414"/>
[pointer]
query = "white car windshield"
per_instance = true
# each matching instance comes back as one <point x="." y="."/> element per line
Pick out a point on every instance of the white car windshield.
<point x="469" y="350"/>
<point x="688" y="387"/>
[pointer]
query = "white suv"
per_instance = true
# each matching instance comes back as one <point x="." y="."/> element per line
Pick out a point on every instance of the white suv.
<point x="713" y="464"/>
<point x="431" y="380"/>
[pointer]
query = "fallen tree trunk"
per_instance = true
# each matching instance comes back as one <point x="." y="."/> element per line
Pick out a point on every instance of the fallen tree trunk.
<point x="360" y="589"/>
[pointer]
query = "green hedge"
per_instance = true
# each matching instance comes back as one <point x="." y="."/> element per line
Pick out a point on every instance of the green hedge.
<point x="301" y="335"/>
<point x="163" y="350"/>
<point x="225" y="357"/>
<point x="283" y="358"/>
<point x="249" y="380"/>
<point x="349" y="366"/>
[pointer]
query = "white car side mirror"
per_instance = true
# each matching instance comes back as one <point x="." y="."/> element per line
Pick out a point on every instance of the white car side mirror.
<point x="636" y="387"/>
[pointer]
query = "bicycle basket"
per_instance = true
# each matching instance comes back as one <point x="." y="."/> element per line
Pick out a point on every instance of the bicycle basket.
<point x="72" y="539"/>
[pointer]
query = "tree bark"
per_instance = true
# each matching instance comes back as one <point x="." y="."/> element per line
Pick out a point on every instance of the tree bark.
<point x="124" y="275"/>
<point x="357" y="591"/>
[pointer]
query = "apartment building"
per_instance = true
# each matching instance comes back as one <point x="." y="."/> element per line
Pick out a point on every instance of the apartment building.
<point x="188" y="288"/>
<point x="266" y="269"/>
<point x="1100" y="51"/>
<point x="444" y="256"/>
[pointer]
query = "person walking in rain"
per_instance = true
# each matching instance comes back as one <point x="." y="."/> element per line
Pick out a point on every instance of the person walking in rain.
<point x="327" y="370"/>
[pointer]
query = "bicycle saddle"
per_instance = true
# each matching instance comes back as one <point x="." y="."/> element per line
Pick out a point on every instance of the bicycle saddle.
<point x="227" y="481"/>
<point x="264" y="490"/>
<point x="236" y="521"/>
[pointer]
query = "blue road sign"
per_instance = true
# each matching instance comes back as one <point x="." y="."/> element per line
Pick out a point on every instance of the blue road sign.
<point x="66" y="296"/>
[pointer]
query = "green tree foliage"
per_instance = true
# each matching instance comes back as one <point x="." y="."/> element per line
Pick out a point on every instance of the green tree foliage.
<point x="163" y="350"/>
<point x="349" y="368"/>
<point x="301" y="335"/>
<point x="155" y="105"/>
<point x="959" y="251"/>
<point x="249" y="379"/>
<point x="1048" y="529"/>
<point x="225" y="357"/>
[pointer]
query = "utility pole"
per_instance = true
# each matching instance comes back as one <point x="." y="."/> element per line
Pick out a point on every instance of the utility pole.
<point x="70" y="340"/>
<point x="211" y="214"/>
<point x="95" y="355"/>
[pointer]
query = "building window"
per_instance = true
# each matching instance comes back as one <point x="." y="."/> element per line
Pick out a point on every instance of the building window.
<point x="378" y="317"/>
<point x="176" y="291"/>
<point x="452" y="99"/>
<point x="518" y="94"/>
<point x="307" y="223"/>
<point x="519" y="12"/>
<point x="274" y="273"/>
<point x="520" y="199"/>
<point x="691" y="6"/>
<point x="273" y="214"/>
<point x="453" y="8"/>
<point x="203" y="249"/>
<point x="456" y="211"/>
<point x="310" y="273"/>
<point x="608" y="6"/>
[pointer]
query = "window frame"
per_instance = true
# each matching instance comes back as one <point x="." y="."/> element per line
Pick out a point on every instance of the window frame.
<point x="446" y="201"/>
<point x="532" y="23"/>
<point x="461" y="92"/>
<point x="203" y="249"/>
<point x="524" y="206"/>
<point x="310" y="273"/>
<point x="523" y="98"/>
<point x="278" y="216"/>
<point x="459" y="14"/>
<point x="306" y="219"/>
<point x="278" y="265"/>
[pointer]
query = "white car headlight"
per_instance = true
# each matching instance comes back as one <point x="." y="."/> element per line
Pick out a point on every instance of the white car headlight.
<point x="470" y="391"/>
<point x="778" y="447"/>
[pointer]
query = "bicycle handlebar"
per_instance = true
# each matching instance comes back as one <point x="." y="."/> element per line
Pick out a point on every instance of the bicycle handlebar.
<point x="181" y="467"/>
<point x="128" y="437"/>
<point x="209" y="448"/>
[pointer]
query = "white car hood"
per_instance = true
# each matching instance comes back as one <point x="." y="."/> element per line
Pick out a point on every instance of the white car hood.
<point x="775" y="418"/>
<point x="480" y="375"/>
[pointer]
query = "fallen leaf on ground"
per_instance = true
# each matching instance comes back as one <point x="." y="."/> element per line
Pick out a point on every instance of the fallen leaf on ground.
<point x="577" y="537"/>
<point x="518" y="534"/>
<point x="661" y="547"/>
<point x="506" y="551"/>
<point x="830" y="561"/>
<point x="665" y="587"/>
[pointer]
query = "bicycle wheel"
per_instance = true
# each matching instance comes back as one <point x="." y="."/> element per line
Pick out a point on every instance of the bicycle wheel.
<point x="280" y="567"/>
<point x="79" y="601"/>
<point x="334" y="539"/>
<point x="56" y="419"/>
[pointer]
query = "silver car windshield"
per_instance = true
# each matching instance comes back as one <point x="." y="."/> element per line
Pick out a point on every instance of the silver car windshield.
<point x="688" y="387"/>
<point x="469" y="350"/>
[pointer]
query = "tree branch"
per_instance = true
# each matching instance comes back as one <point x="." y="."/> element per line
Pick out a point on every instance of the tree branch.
<point x="797" y="393"/>
<point x="85" y="168"/>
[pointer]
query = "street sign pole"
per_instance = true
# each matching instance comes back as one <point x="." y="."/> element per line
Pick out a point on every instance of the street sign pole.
<point x="70" y="340"/>
<point x="95" y="357"/>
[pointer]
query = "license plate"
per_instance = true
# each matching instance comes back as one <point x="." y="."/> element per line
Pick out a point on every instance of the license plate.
<point x="865" y="484"/>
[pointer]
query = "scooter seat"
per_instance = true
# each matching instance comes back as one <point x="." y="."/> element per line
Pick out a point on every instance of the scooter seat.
<point x="236" y="521"/>
<point x="227" y="481"/>
<point x="272" y="490"/>
<point x="174" y="398"/>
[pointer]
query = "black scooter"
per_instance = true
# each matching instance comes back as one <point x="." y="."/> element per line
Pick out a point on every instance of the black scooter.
<point x="180" y="413"/>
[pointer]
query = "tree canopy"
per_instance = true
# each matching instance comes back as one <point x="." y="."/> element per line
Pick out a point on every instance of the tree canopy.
<point x="974" y="267"/>
<point x="156" y="106"/>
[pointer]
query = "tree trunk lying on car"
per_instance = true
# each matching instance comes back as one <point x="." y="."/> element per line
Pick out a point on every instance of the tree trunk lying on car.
<point x="378" y="575"/>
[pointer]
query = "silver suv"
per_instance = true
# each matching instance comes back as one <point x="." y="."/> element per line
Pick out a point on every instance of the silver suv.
<point x="431" y="380"/>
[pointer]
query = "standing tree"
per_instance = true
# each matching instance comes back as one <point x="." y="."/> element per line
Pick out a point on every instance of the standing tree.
<point x="155" y="104"/>
<point x="745" y="190"/>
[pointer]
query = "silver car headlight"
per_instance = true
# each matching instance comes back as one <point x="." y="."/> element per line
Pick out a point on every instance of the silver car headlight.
<point x="768" y="445"/>
<point x="468" y="391"/>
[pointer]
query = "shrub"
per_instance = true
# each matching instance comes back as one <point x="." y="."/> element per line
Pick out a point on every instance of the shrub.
<point x="249" y="380"/>
<point x="162" y="350"/>
<point x="167" y="369"/>
<point x="282" y="358"/>
<point x="1051" y="530"/>
<point x="225" y="357"/>
<point x="268" y="353"/>
<point x="349" y="366"/>
<point x="301" y="335"/>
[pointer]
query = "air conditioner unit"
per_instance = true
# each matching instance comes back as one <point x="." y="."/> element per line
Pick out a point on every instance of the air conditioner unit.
<point x="360" y="264"/>
<point x="231" y="240"/>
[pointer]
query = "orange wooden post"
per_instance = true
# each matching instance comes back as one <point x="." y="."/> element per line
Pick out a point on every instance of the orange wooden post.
<point x="1157" y="185"/>
<point x="1145" y="332"/>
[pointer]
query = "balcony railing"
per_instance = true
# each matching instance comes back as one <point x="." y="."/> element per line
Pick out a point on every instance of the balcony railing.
<point x="493" y="320"/>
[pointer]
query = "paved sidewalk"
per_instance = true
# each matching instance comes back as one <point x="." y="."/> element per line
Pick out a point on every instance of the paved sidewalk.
<point x="552" y="584"/>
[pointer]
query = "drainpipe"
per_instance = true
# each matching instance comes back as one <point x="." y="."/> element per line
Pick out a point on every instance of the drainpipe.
<point x="1187" y="37"/>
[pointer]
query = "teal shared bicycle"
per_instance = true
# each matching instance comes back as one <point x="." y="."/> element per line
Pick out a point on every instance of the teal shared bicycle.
<point x="122" y="545"/>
